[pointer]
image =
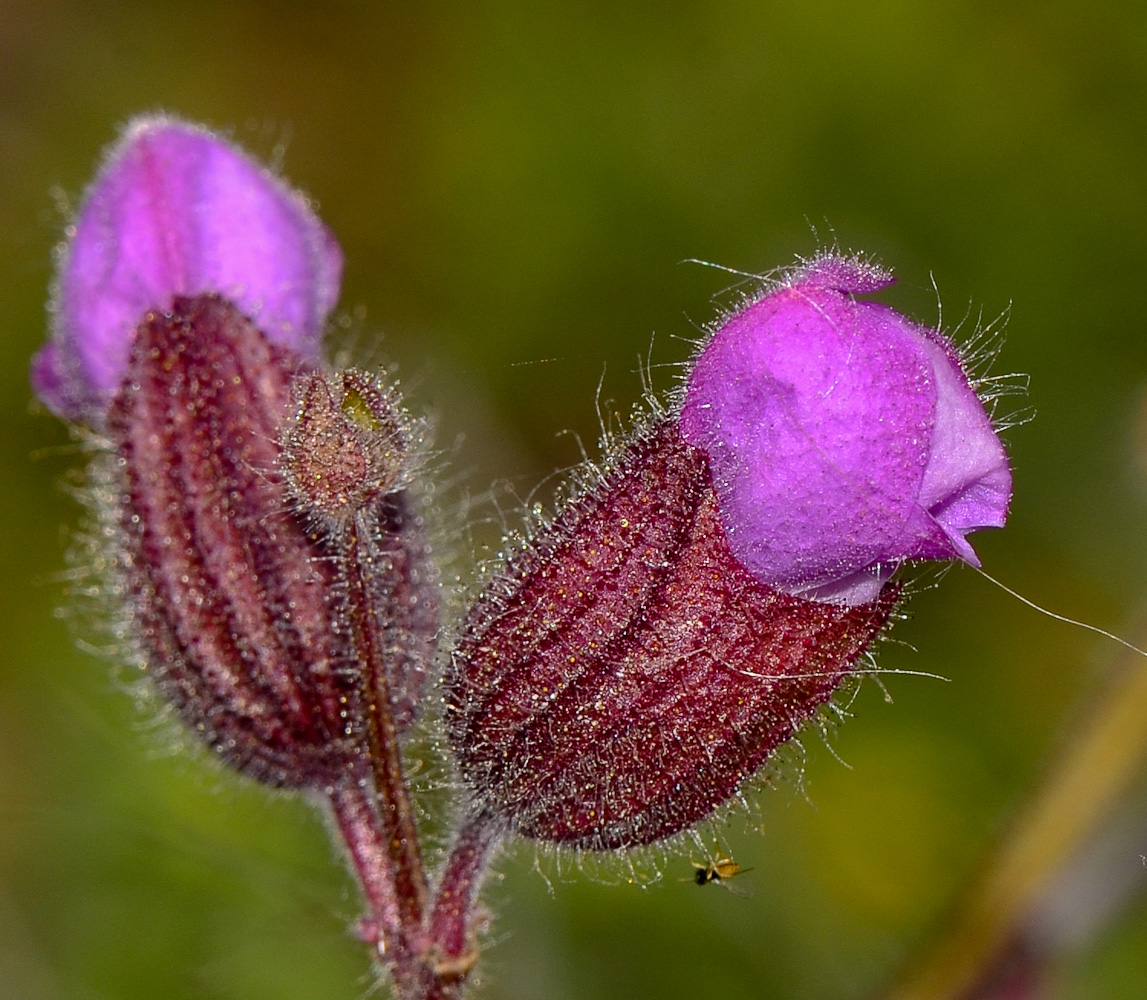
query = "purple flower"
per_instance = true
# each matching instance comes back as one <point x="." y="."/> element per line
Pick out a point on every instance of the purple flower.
<point x="178" y="212"/>
<point x="843" y="438"/>
<point x="648" y="649"/>
<point x="247" y="486"/>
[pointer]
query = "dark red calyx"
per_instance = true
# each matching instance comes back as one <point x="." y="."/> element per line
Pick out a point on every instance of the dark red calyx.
<point x="236" y="599"/>
<point x="625" y="674"/>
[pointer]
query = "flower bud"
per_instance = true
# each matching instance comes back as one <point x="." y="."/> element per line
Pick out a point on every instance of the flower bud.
<point x="346" y="446"/>
<point x="188" y="316"/>
<point x="229" y="595"/>
<point x="345" y="458"/>
<point x="645" y="652"/>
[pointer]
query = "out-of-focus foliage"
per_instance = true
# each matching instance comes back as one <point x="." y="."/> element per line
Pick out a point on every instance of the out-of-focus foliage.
<point x="516" y="187"/>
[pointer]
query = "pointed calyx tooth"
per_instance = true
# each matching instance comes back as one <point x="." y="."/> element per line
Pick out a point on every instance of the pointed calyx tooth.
<point x="236" y="601"/>
<point x="625" y="674"/>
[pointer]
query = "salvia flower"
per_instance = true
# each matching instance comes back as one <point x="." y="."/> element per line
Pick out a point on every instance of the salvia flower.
<point x="186" y="329"/>
<point x="647" y="649"/>
<point x="696" y="600"/>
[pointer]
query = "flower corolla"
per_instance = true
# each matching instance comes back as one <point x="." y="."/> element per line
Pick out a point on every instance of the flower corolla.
<point x="176" y="211"/>
<point x="843" y="438"/>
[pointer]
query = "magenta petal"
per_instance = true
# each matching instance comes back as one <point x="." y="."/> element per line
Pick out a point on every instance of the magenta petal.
<point x="178" y="211"/>
<point x="842" y="438"/>
<point x="968" y="482"/>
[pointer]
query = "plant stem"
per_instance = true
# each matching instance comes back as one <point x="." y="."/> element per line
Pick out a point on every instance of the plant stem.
<point x="451" y="930"/>
<point x="361" y="831"/>
<point x="1099" y="759"/>
<point x="428" y="952"/>
<point x="394" y="806"/>
<point x="358" y="824"/>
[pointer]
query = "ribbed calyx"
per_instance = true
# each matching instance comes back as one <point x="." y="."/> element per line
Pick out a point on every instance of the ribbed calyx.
<point x="236" y="591"/>
<point x="625" y="674"/>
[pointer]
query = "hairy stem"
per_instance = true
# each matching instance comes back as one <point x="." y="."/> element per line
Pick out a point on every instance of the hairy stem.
<point x="362" y="833"/>
<point x="427" y="947"/>
<point x="452" y="921"/>
<point x="394" y="806"/>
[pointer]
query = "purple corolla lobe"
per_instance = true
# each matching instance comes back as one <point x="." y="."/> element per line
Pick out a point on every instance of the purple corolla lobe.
<point x="177" y="211"/>
<point x="843" y="439"/>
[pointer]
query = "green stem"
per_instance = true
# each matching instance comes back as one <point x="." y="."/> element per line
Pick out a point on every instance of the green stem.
<point x="1099" y="760"/>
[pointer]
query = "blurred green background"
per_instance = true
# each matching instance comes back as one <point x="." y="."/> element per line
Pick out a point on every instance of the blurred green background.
<point x="517" y="187"/>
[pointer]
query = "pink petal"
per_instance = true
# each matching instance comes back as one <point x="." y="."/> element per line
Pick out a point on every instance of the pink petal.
<point x="842" y="438"/>
<point x="179" y="211"/>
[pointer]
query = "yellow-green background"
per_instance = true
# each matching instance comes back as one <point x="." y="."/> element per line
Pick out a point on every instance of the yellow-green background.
<point x="516" y="187"/>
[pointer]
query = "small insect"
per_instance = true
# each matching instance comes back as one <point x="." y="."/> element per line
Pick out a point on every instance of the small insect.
<point x="720" y="869"/>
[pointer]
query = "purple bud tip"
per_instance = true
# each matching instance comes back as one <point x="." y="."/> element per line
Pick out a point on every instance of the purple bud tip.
<point x="178" y="211"/>
<point x="843" y="438"/>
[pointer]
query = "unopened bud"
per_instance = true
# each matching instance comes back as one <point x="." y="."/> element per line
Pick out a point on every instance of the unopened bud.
<point x="238" y="602"/>
<point x="346" y="447"/>
<point x="228" y="591"/>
